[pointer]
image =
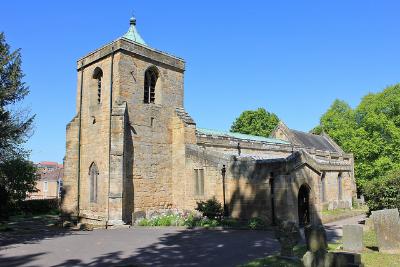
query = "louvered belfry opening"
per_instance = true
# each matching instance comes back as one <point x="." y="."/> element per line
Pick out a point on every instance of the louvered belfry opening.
<point x="150" y="80"/>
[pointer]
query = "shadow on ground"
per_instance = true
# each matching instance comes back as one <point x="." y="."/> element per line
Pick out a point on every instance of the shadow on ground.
<point x="26" y="230"/>
<point x="180" y="248"/>
<point x="194" y="248"/>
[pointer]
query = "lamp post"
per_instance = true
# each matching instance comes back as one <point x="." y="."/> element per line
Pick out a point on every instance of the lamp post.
<point x="223" y="173"/>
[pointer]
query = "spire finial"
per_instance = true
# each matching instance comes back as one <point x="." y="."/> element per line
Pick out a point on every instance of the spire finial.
<point x="132" y="33"/>
<point x="132" y="20"/>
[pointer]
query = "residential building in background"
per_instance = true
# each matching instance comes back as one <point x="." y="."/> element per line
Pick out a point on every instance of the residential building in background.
<point x="49" y="184"/>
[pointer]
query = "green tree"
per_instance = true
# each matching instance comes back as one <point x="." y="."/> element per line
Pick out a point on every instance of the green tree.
<point x="256" y="122"/>
<point x="371" y="132"/>
<point x="18" y="178"/>
<point x="17" y="175"/>
<point x="384" y="192"/>
<point x="338" y="121"/>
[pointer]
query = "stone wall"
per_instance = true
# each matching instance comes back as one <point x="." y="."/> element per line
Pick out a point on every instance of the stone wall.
<point x="69" y="204"/>
<point x="146" y="154"/>
<point x="150" y="125"/>
<point x="248" y="182"/>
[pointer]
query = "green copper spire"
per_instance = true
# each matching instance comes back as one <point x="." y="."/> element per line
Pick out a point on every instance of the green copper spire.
<point x="133" y="34"/>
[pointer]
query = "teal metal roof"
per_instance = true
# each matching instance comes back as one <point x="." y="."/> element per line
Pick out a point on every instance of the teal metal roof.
<point x="133" y="34"/>
<point x="241" y="136"/>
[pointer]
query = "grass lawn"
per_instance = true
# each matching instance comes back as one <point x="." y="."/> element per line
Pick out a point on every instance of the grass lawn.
<point x="337" y="214"/>
<point x="370" y="256"/>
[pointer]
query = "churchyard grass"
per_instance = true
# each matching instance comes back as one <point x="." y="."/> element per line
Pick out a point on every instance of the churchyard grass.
<point x="338" y="214"/>
<point x="370" y="256"/>
<point x="277" y="261"/>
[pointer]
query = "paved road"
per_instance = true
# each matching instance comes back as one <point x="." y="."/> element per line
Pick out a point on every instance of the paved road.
<point x="140" y="247"/>
<point x="334" y="229"/>
<point x="47" y="246"/>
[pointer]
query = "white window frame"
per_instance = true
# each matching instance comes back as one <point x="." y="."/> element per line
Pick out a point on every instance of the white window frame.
<point x="45" y="186"/>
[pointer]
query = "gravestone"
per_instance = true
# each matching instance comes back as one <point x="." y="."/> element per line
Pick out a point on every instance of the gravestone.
<point x="288" y="235"/>
<point x="387" y="229"/>
<point x="315" y="237"/>
<point x="353" y="238"/>
<point x="318" y="255"/>
<point x="369" y="224"/>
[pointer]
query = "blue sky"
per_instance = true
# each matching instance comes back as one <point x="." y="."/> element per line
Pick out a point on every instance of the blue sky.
<point x="291" y="57"/>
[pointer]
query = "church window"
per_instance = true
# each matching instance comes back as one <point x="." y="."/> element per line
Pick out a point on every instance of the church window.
<point x="98" y="75"/>
<point x="93" y="177"/>
<point x="340" y="185"/>
<point x="150" y="80"/>
<point x="199" y="181"/>
<point x="45" y="186"/>
<point x="323" y="189"/>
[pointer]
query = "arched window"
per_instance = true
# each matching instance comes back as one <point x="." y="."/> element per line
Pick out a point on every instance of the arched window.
<point x="93" y="177"/>
<point x="98" y="75"/>
<point x="323" y="188"/>
<point x="340" y="189"/>
<point x="150" y="80"/>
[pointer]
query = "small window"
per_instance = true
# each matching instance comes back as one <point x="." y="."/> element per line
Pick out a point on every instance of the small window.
<point x="98" y="75"/>
<point x="323" y="188"/>
<point x="45" y="186"/>
<point x="150" y="80"/>
<point x="93" y="177"/>
<point x="340" y="185"/>
<point x="199" y="182"/>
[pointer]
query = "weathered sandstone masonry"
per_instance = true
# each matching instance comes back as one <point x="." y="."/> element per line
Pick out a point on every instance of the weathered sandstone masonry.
<point x="132" y="150"/>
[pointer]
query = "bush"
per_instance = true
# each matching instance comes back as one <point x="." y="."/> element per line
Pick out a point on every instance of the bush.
<point x="211" y="208"/>
<point x="190" y="220"/>
<point x="37" y="206"/>
<point x="383" y="192"/>
<point x="256" y="223"/>
<point x="163" y="220"/>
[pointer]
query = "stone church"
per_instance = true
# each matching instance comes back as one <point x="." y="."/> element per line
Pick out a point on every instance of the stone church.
<point x="132" y="149"/>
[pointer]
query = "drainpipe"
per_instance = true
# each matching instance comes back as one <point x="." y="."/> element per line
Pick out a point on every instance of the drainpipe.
<point x="109" y="135"/>
<point x="223" y="172"/>
<point x="79" y="143"/>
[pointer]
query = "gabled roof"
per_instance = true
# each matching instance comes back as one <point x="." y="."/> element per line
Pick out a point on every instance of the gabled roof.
<point x="48" y="164"/>
<point x="240" y="136"/>
<point x="312" y="140"/>
<point x="53" y="175"/>
<point x="307" y="140"/>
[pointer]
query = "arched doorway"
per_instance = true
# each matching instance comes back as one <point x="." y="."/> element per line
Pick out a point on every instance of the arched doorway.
<point x="304" y="205"/>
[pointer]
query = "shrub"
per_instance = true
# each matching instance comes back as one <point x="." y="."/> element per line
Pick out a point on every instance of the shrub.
<point x="163" y="220"/>
<point x="210" y="208"/>
<point x="192" y="221"/>
<point x="37" y="206"/>
<point x="206" y="222"/>
<point x="383" y="192"/>
<point x="256" y="223"/>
